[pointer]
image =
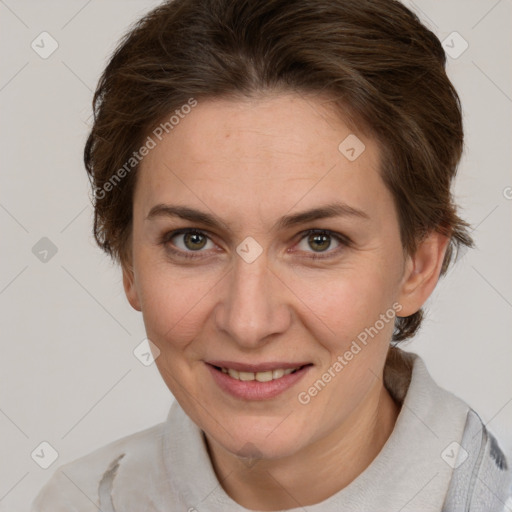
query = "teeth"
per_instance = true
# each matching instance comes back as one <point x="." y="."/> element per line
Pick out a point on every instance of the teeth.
<point x="277" y="374"/>
<point x="259" y="376"/>
<point x="234" y="374"/>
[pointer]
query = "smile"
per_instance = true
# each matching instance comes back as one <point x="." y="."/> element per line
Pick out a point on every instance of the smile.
<point x="259" y="376"/>
<point x="257" y="385"/>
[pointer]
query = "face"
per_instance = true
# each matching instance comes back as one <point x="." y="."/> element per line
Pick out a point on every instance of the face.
<point x="240" y="275"/>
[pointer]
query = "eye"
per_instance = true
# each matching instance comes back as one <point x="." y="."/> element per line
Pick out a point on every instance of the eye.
<point x="320" y="240"/>
<point x="188" y="241"/>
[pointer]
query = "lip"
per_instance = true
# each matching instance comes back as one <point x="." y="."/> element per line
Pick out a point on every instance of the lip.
<point x="252" y="367"/>
<point x="254" y="390"/>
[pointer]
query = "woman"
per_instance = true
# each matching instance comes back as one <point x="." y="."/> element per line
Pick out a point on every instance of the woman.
<point x="274" y="179"/>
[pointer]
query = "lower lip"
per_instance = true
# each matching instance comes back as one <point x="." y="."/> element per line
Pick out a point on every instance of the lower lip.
<point x="253" y="389"/>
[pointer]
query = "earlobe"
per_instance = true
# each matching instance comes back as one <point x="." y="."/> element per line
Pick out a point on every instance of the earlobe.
<point x="130" y="288"/>
<point x="422" y="272"/>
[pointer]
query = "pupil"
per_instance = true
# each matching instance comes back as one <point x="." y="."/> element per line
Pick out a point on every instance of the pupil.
<point x="195" y="239"/>
<point x="321" y="239"/>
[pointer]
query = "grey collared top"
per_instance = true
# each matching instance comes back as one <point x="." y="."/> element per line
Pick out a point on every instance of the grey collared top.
<point x="439" y="457"/>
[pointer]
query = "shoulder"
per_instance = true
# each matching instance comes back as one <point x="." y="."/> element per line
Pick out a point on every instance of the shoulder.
<point x="78" y="485"/>
<point x="482" y="476"/>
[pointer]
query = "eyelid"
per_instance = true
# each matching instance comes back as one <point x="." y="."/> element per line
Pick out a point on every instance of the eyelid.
<point x="167" y="236"/>
<point x="342" y="239"/>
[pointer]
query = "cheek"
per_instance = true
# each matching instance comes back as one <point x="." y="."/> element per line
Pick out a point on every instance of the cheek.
<point x="174" y="302"/>
<point x="342" y="304"/>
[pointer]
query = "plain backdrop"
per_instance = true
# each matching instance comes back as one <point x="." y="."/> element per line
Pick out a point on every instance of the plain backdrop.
<point x="68" y="373"/>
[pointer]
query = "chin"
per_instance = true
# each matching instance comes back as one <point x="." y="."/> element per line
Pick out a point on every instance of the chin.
<point x="265" y="440"/>
<point x="266" y="450"/>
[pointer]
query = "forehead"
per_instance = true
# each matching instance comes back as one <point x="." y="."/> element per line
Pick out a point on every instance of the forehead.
<point x="274" y="151"/>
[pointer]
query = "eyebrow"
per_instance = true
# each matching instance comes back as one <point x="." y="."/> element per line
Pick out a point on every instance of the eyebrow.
<point x="337" y="209"/>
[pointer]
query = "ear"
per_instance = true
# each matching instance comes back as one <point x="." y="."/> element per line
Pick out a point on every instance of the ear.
<point x="422" y="270"/>
<point x="129" y="286"/>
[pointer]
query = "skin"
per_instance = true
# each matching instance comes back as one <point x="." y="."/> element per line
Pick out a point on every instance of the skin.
<point x="250" y="162"/>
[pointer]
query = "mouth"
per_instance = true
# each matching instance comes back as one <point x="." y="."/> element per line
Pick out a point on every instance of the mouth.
<point x="260" y="376"/>
<point x="264" y="384"/>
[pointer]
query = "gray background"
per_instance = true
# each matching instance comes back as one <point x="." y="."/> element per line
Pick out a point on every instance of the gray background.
<point x="69" y="375"/>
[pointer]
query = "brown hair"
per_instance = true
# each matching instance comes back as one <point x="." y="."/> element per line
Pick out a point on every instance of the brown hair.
<point x="384" y="70"/>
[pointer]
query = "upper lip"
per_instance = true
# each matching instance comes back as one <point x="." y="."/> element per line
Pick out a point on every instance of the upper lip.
<point x="254" y="368"/>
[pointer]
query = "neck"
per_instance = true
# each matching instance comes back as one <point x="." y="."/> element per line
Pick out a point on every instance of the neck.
<point x="335" y="461"/>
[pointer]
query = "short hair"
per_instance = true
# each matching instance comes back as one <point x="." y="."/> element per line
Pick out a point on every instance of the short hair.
<point x="383" y="69"/>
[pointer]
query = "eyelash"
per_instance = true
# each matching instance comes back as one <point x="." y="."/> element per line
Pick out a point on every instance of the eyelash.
<point x="343" y="240"/>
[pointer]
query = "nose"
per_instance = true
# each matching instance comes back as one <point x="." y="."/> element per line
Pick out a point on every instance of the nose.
<point x="253" y="304"/>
